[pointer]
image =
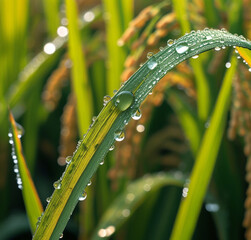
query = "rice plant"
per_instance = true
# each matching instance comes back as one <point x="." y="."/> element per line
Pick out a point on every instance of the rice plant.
<point x="135" y="119"/>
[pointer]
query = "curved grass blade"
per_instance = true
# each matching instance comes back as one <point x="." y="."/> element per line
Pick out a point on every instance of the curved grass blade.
<point x="81" y="86"/>
<point x="32" y="202"/>
<point x="111" y="121"/>
<point x="205" y="162"/>
<point x="127" y="202"/>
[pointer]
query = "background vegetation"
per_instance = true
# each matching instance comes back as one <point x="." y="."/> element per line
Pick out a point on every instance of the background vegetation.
<point x="55" y="105"/>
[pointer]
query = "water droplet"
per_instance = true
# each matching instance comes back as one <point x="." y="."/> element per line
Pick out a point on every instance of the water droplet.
<point x="161" y="48"/>
<point x="10" y="135"/>
<point x="57" y="184"/>
<point x="228" y="65"/>
<point x="185" y="192"/>
<point x="11" y="141"/>
<point x="207" y="124"/>
<point x="20" y="130"/>
<point x="182" y="48"/>
<point x="152" y="63"/>
<point x="140" y="128"/>
<point x="49" y="48"/>
<point x="147" y="187"/>
<point x="217" y="48"/>
<point x="68" y="159"/>
<point x="126" y="212"/>
<point x="89" y="16"/>
<point x="170" y="42"/>
<point x="94" y="118"/>
<point x="16" y="170"/>
<point x="111" y="148"/>
<point x="130" y="197"/>
<point x="195" y="56"/>
<point x="102" y="162"/>
<point x="102" y="233"/>
<point x="119" y="136"/>
<point x="149" y="55"/>
<point x="137" y="115"/>
<point x="209" y="37"/>
<point x="61" y="235"/>
<point x="83" y="196"/>
<point x="106" y="99"/>
<point x="124" y="100"/>
<point x="89" y="183"/>
<point x="48" y="199"/>
<point x="212" y="207"/>
<point x="249" y="69"/>
<point x="62" y="31"/>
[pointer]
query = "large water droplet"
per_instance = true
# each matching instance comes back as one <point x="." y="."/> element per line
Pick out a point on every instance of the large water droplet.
<point x="152" y="63"/>
<point x="83" y="196"/>
<point x="61" y="235"/>
<point x="124" y="100"/>
<point x="119" y="136"/>
<point x="217" y="48"/>
<point x="111" y="148"/>
<point x="20" y="130"/>
<point x="195" y="56"/>
<point x="102" y="162"/>
<point x="89" y="183"/>
<point x="57" y="184"/>
<point x="182" y="48"/>
<point x="137" y="115"/>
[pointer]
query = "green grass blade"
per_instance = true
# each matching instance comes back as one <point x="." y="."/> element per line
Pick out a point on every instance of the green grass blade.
<point x="128" y="201"/>
<point x="205" y="161"/>
<point x="32" y="202"/>
<point x="79" y="73"/>
<point x="245" y="54"/>
<point x="187" y="118"/>
<point x="51" y="10"/>
<point x="116" y="54"/>
<point x="111" y="121"/>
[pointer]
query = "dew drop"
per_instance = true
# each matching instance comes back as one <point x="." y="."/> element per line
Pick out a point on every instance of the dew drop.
<point x="228" y="65"/>
<point x="209" y="37"/>
<point x="124" y="100"/>
<point x="49" y="48"/>
<point x="102" y="162"/>
<point x="16" y="170"/>
<point x="89" y="183"/>
<point x="106" y="99"/>
<point x="170" y="42"/>
<point x="140" y="128"/>
<point x="126" y="212"/>
<point x="185" y="192"/>
<point x="83" y="196"/>
<point x="212" y="207"/>
<point x="195" y="56"/>
<point x="217" y="48"/>
<point x="57" y="184"/>
<point x="10" y="135"/>
<point x="61" y="235"/>
<point x="182" y="48"/>
<point x="68" y="159"/>
<point x="130" y="197"/>
<point x="137" y="115"/>
<point x="149" y="55"/>
<point x="161" y="48"/>
<point x="11" y="141"/>
<point x="249" y="69"/>
<point x="111" y="148"/>
<point x="48" y="199"/>
<point x="147" y="187"/>
<point x="119" y="136"/>
<point x="152" y="63"/>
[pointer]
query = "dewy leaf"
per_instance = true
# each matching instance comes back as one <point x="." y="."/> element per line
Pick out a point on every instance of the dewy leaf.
<point x="135" y="194"/>
<point x="111" y="121"/>
<point x="32" y="202"/>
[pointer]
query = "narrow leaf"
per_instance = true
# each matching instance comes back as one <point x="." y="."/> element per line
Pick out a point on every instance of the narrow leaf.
<point x="205" y="161"/>
<point x="32" y="202"/>
<point x="111" y="121"/>
<point x="127" y="202"/>
<point x="245" y="54"/>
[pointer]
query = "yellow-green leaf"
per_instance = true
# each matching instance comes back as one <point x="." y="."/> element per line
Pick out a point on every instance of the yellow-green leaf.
<point x="32" y="202"/>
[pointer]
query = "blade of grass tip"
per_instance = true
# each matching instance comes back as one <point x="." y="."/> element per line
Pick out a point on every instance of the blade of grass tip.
<point x="129" y="200"/>
<point x="190" y="207"/>
<point x="202" y="85"/>
<point x="51" y="10"/>
<point x="32" y="202"/>
<point x="245" y="54"/>
<point x="79" y="73"/>
<point x="116" y="54"/>
<point x="108" y="126"/>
